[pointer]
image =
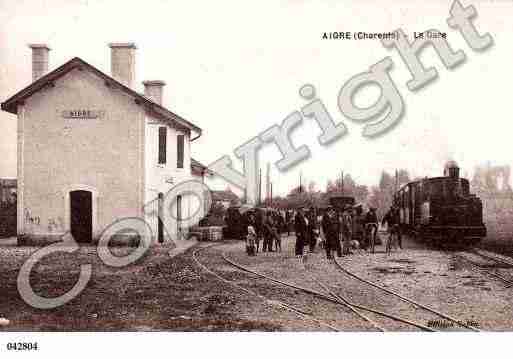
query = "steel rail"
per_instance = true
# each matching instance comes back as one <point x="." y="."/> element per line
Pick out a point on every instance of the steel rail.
<point x="326" y="297"/>
<point x="508" y="282"/>
<point x="499" y="260"/>
<point x="343" y="301"/>
<point x="411" y="301"/>
<point x="299" y="312"/>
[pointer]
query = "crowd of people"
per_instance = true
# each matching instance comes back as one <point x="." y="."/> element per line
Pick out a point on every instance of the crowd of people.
<point x="337" y="230"/>
<point x="266" y="227"/>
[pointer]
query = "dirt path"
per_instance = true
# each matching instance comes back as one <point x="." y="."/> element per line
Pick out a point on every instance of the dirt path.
<point x="163" y="293"/>
<point x="157" y="293"/>
<point x="432" y="277"/>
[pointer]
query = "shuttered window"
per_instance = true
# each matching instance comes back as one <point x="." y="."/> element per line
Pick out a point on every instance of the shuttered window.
<point x="162" y="144"/>
<point x="179" y="150"/>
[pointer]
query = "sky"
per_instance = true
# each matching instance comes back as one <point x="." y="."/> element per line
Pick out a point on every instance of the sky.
<point x="234" y="68"/>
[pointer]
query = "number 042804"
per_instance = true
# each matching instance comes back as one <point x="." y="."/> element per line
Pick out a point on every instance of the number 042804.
<point x="22" y="346"/>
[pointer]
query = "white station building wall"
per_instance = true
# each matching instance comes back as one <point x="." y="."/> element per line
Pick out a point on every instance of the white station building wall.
<point x="57" y="155"/>
<point x="161" y="178"/>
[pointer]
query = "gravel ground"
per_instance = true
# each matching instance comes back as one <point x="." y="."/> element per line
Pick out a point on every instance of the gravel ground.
<point x="434" y="278"/>
<point x="156" y="293"/>
<point x="163" y="293"/>
<point x="330" y="313"/>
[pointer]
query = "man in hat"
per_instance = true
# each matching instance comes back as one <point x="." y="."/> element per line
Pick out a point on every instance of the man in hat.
<point x="347" y="228"/>
<point x="331" y="228"/>
<point x="288" y="221"/>
<point x="370" y="216"/>
<point x="392" y="221"/>
<point x="300" y="227"/>
<point x="358" y="223"/>
<point x="312" y="229"/>
<point x="259" y="227"/>
<point x="371" y="227"/>
<point x="268" y="233"/>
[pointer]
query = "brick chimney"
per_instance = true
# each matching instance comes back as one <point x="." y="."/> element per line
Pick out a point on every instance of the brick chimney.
<point x="40" y="55"/>
<point x="122" y="62"/>
<point x="154" y="89"/>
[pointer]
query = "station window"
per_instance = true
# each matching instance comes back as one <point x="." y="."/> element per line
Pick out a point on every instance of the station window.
<point x="180" y="142"/>
<point x="162" y="144"/>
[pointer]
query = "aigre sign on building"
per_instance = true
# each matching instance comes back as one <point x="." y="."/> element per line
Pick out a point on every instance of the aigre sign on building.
<point x="82" y="114"/>
<point x="92" y="150"/>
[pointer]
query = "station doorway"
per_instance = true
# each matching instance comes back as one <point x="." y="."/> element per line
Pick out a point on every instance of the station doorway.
<point x="81" y="216"/>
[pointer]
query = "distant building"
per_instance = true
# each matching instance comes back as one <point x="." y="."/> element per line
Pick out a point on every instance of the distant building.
<point x="199" y="171"/>
<point x="92" y="150"/>
<point x="226" y="198"/>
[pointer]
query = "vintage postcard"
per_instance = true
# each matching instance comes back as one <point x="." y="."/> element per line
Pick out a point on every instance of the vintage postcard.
<point x="334" y="167"/>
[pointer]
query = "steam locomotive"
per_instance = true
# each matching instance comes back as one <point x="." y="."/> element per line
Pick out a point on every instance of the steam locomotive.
<point x="441" y="209"/>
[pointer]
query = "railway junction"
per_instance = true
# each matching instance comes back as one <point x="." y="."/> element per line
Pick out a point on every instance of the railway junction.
<point x="215" y="286"/>
<point x="413" y="289"/>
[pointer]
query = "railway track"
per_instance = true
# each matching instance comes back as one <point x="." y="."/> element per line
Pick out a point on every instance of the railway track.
<point x="508" y="282"/>
<point x="494" y="258"/>
<point x="273" y="303"/>
<point x="333" y="297"/>
<point x="408" y="300"/>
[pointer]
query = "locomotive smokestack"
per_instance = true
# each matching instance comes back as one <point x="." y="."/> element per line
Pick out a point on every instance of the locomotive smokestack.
<point x="452" y="170"/>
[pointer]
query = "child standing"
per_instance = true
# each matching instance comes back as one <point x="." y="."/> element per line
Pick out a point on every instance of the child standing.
<point x="251" y="238"/>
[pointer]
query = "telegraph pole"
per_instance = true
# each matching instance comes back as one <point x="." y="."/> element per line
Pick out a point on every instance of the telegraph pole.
<point x="268" y="182"/>
<point x="271" y="197"/>
<point x="396" y="180"/>
<point x="260" y="187"/>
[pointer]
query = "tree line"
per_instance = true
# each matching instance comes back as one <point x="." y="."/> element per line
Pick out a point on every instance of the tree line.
<point x="486" y="181"/>
<point x="379" y="196"/>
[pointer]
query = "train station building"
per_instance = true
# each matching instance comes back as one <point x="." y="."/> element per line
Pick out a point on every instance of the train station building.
<point x="92" y="150"/>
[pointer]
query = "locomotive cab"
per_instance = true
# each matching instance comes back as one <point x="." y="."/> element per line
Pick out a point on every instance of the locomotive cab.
<point x="442" y="208"/>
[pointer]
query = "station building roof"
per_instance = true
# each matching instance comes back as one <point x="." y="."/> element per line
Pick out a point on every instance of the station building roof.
<point x="11" y="104"/>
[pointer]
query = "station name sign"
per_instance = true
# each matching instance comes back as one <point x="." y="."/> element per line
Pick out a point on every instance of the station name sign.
<point x="83" y="114"/>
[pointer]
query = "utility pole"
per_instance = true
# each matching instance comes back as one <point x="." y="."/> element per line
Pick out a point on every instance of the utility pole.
<point x="271" y="189"/>
<point x="300" y="182"/>
<point x="268" y="182"/>
<point x="342" y="182"/>
<point x="260" y="186"/>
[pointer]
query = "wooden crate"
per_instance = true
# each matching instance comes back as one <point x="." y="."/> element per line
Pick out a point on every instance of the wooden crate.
<point x="210" y="234"/>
